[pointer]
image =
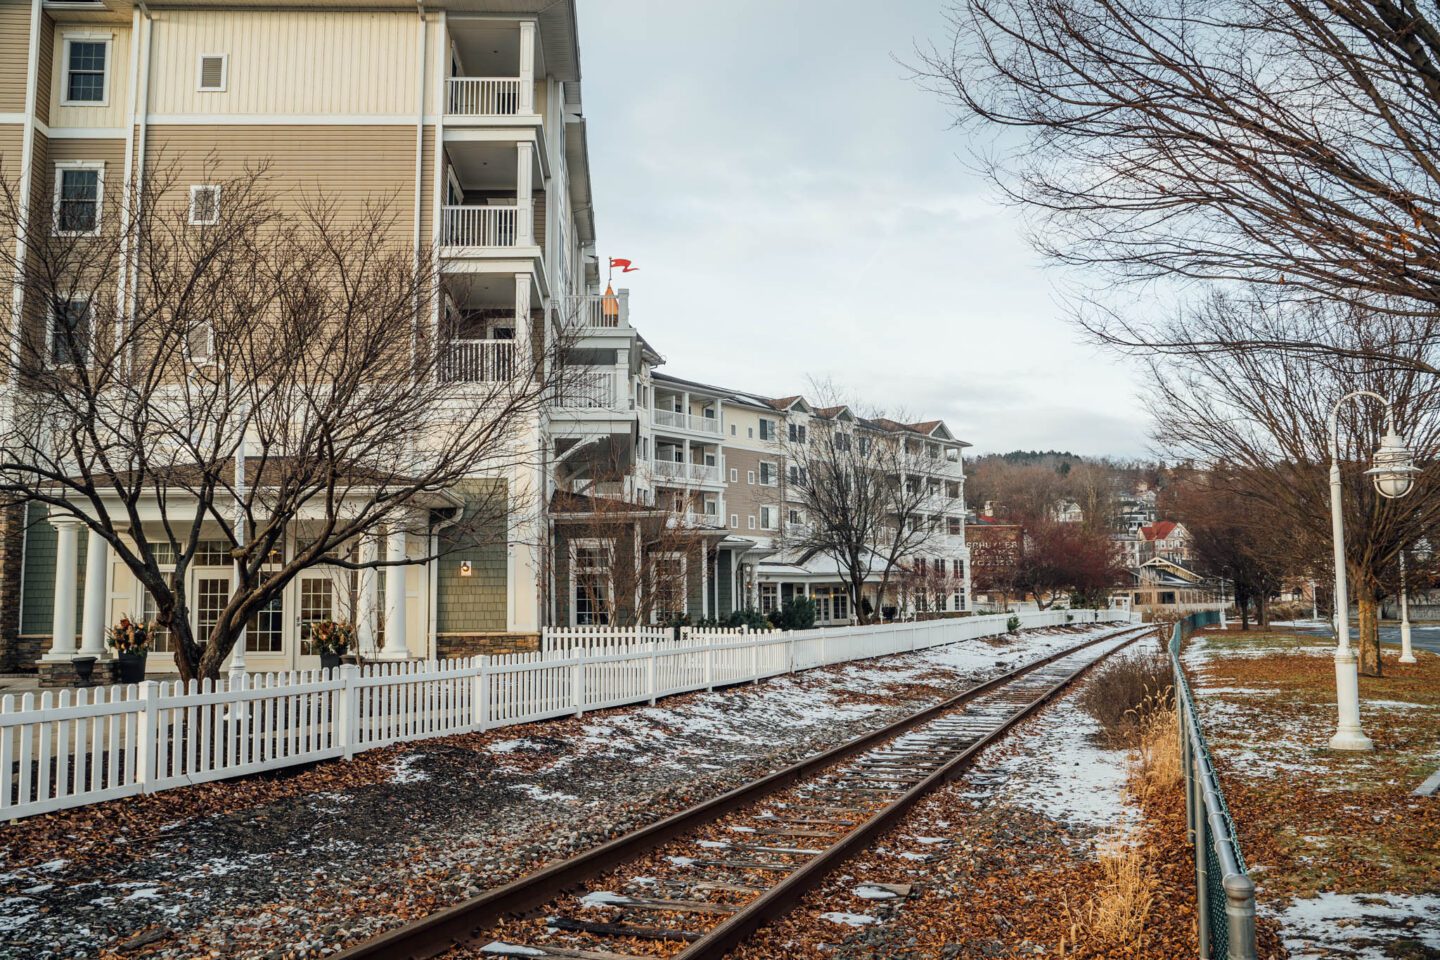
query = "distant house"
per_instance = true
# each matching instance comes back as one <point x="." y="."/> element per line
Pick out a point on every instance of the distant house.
<point x="1167" y="539"/>
<point x="1160" y="584"/>
<point x="1068" y="511"/>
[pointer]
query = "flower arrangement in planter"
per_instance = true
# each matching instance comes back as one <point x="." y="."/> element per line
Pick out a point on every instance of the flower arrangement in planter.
<point x="332" y="639"/>
<point x="130" y="639"/>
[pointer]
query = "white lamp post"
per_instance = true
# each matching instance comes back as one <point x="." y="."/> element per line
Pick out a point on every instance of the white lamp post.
<point x="1394" y="477"/>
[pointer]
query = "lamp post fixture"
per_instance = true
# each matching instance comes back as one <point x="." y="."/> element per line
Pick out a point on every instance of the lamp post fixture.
<point x="1406" y="654"/>
<point x="1393" y="474"/>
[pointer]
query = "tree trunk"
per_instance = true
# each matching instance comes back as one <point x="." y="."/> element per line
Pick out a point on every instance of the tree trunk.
<point x="1369" y="646"/>
<point x="1264" y="612"/>
<point x="1244" y="616"/>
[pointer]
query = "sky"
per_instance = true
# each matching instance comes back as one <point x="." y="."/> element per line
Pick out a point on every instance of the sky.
<point x="799" y="208"/>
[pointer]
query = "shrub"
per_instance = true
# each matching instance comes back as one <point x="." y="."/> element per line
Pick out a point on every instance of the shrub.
<point x="1013" y="623"/>
<point x="798" y="613"/>
<point x="1122" y="691"/>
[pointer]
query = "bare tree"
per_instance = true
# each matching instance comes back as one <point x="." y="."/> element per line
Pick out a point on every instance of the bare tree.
<point x="1265" y="414"/>
<point x="1287" y="148"/>
<point x="258" y="369"/>
<point x="866" y="488"/>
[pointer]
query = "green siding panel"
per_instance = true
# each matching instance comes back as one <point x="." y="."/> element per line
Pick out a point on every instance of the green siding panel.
<point x="724" y="568"/>
<point x="37" y="604"/>
<point x="477" y="603"/>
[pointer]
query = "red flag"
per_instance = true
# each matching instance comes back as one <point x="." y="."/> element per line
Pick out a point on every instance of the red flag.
<point x="623" y="264"/>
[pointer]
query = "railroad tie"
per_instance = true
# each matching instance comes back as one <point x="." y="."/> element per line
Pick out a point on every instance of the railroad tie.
<point x="572" y="925"/>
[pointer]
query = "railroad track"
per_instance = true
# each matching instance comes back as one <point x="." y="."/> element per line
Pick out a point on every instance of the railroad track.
<point x="716" y="872"/>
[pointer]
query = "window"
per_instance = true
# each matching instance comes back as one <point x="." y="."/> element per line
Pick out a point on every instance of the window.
<point x="732" y="429"/>
<point x="211" y="595"/>
<point x="769" y="597"/>
<point x="952" y="489"/>
<point x="767" y="429"/>
<point x="768" y="518"/>
<point x="932" y="450"/>
<point x="263" y="632"/>
<point x="842" y="443"/>
<point x="751" y="519"/>
<point x="79" y="189"/>
<point x="669" y="587"/>
<point x="750" y="432"/>
<point x="734" y="475"/>
<point x="70" y="334"/>
<point x="769" y="473"/>
<point x="799" y="476"/>
<point x="214" y="72"/>
<point x="797" y="433"/>
<point x="864" y="446"/>
<point x="796" y="517"/>
<point x="734" y="521"/>
<point x="204" y="205"/>
<point x="317" y="603"/>
<point x="590" y="576"/>
<point x="159" y="636"/>
<point x="940" y="567"/>
<point x="86" y="78"/>
<point x="750" y="477"/>
<point x="954" y="526"/>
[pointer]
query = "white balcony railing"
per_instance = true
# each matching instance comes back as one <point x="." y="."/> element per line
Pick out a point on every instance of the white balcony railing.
<point x="676" y="420"/>
<point x="593" y="388"/>
<point x="483" y="96"/>
<point x="673" y="470"/>
<point x="485" y="226"/>
<point x="597" y="310"/>
<point x="477" y="361"/>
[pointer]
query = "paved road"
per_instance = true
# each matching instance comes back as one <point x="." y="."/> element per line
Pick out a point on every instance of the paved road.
<point x="1422" y="636"/>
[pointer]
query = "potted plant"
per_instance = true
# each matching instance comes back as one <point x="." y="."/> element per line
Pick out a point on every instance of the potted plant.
<point x="332" y="639"/>
<point x="130" y="639"/>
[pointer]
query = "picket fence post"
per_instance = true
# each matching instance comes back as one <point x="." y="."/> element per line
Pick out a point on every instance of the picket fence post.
<point x="755" y="660"/>
<point x="790" y="652"/>
<point x="650" y="675"/>
<point x="145" y="723"/>
<point x="577" y="684"/>
<point x="481" y="696"/>
<point x="709" y="667"/>
<point x="347" y="711"/>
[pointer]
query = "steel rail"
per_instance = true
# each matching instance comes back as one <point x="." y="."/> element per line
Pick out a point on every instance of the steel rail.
<point x="448" y="928"/>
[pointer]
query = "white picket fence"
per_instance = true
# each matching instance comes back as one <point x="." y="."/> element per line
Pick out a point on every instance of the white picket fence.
<point x="73" y="747"/>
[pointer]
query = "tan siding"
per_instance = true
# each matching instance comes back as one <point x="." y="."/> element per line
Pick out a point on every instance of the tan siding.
<point x="538" y="203"/>
<point x="358" y="164"/>
<point x="47" y="59"/>
<point x="743" y="498"/>
<point x="12" y="141"/>
<point x="114" y="113"/>
<point x="287" y="62"/>
<point x="14" y="54"/>
<point x="427" y="192"/>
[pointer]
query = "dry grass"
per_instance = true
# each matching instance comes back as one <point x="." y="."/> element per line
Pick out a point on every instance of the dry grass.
<point x="1118" y="912"/>
<point x="1157" y="747"/>
<point x="1122" y="691"/>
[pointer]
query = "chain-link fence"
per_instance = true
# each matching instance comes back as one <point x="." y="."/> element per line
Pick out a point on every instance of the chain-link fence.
<point x="1224" y="893"/>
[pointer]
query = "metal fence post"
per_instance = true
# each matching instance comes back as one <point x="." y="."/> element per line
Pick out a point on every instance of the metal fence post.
<point x="1202" y="865"/>
<point x="1240" y="916"/>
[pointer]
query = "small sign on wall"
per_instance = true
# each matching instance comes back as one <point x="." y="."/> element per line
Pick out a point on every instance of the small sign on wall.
<point x="466" y="568"/>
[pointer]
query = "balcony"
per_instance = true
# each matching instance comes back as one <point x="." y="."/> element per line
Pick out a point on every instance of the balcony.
<point x="594" y="389"/>
<point x="686" y="472"/>
<point x="485" y="97"/>
<point x="675" y="420"/>
<point x="477" y="361"/>
<point x="596" y="311"/>
<point x="492" y="226"/>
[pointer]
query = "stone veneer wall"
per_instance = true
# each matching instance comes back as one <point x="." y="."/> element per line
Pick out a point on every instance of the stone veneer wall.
<point x="449" y="645"/>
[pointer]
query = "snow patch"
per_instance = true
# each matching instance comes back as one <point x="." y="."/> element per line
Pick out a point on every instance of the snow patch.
<point x="1359" y="924"/>
<point x="849" y="919"/>
<point x="404" y="770"/>
<point x="543" y="795"/>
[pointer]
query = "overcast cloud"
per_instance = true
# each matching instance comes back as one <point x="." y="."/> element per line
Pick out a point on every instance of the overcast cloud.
<point x="799" y="208"/>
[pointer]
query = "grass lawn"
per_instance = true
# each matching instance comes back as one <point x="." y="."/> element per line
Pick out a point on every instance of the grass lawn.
<point x="1342" y="851"/>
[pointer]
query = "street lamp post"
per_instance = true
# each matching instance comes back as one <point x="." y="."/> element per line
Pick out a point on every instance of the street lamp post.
<point x="1394" y="476"/>
<point x="1406" y="654"/>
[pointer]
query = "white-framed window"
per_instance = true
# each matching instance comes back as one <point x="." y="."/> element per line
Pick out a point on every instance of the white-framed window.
<point x="796" y="517"/>
<point x="68" y="337"/>
<point x="797" y="433"/>
<point x="592" y="583"/>
<point x="751" y="519"/>
<point x="769" y="518"/>
<point x="767" y="429"/>
<point x="769" y="473"/>
<point x="670" y="586"/>
<point x="79" y="196"/>
<point x="956" y="526"/>
<point x="85" y="73"/>
<point x="734" y="521"/>
<point x="200" y="343"/>
<point x="750" y="432"/>
<point x="750" y="477"/>
<point x="204" y="204"/>
<point x="799" y="476"/>
<point x="213" y="73"/>
<point x="769" y="597"/>
<point x="734" y="475"/>
<point x="732" y="429"/>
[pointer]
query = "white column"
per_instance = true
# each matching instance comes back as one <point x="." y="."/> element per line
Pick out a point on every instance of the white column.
<point x="97" y="590"/>
<point x="369" y="597"/>
<point x="522" y="317"/>
<point x="524" y="165"/>
<point x="396" y="647"/>
<point x="527" y="66"/>
<point x="67" y="550"/>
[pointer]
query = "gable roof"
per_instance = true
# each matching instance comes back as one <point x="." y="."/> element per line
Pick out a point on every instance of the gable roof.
<point x="1159" y="530"/>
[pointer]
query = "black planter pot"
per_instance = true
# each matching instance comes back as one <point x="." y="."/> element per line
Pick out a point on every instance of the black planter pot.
<point x="131" y="667"/>
<point x="84" y="669"/>
<point x="329" y="661"/>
